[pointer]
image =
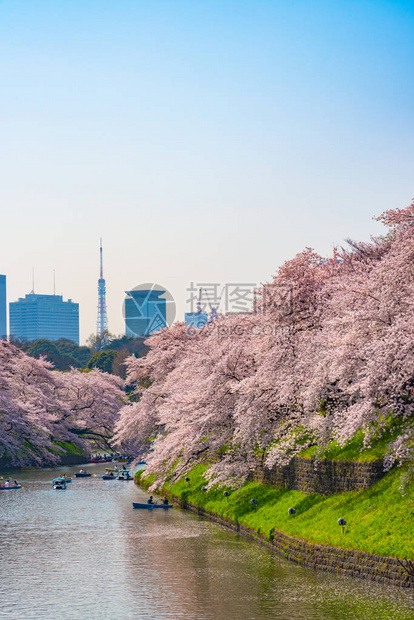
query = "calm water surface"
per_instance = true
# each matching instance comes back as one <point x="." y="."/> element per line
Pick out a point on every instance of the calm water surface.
<point x="85" y="554"/>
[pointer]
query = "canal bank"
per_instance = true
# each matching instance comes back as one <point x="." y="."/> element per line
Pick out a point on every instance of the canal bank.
<point x="68" y="454"/>
<point x="375" y="545"/>
<point x="86" y="553"/>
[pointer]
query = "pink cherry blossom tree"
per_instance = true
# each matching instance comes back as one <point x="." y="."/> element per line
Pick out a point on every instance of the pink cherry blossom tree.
<point x="89" y="406"/>
<point x="327" y="354"/>
<point x="40" y="407"/>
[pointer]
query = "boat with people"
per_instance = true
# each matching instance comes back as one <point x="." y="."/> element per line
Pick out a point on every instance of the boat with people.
<point x="124" y="474"/>
<point x="124" y="458"/>
<point x="151" y="506"/>
<point x="101" y="459"/>
<point x="8" y="486"/>
<point x="109" y="476"/>
<point x="143" y="506"/>
<point x="82" y="473"/>
<point x="59" y="484"/>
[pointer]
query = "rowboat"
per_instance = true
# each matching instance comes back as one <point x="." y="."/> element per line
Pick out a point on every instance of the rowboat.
<point x="143" y="506"/>
<point x="108" y="477"/>
<point x="151" y="506"/>
<point x="85" y="475"/>
<point x="27" y="468"/>
<point x="109" y="460"/>
<point x="10" y="488"/>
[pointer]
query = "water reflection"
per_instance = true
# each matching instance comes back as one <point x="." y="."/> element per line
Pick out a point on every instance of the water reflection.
<point x="84" y="554"/>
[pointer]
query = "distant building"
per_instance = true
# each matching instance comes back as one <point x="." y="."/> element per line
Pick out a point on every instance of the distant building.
<point x="3" y="308"/>
<point x="145" y="312"/>
<point x="195" y="319"/>
<point x="44" y="316"/>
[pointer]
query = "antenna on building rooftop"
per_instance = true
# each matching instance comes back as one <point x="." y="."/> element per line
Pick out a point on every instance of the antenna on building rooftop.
<point x="54" y="282"/>
<point x="100" y="250"/>
<point x="32" y="291"/>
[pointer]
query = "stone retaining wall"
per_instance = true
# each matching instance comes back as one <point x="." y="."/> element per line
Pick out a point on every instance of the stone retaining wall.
<point x="324" y="477"/>
<point x="382" y="569"/>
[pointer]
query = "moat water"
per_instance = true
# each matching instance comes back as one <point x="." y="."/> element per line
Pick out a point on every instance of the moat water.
<point x="85" y="554"/>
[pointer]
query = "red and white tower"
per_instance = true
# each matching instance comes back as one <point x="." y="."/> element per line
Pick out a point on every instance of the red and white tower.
<point x="102" y="320"/>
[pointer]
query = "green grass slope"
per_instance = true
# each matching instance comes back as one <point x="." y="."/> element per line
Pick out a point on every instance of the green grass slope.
<point x="354" y="449"/>
<point x="379" y="519"/>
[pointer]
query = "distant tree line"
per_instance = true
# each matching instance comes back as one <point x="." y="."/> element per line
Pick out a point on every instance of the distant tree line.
<point x="107" y="352"/>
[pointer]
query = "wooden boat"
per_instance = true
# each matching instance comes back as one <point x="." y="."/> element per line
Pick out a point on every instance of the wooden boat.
<point x="83" y="475"/>
<point x="143" y="506"/>
<point x="10" y="488"/>
<point x="27" y="468"/>
<point x="59" y="484"/>
<point x="108" y="460"/>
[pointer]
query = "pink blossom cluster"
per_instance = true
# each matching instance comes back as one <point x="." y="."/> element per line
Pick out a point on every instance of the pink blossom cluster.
<point x="40" y="406"/>
<point x="328" y="354"/>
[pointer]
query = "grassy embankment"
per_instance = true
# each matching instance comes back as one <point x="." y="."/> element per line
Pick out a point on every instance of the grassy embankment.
<point x="379" y="519"/>
<point x="69" y="448"/>
<point x="70" y="452"/>
<point x="354" y="450"/>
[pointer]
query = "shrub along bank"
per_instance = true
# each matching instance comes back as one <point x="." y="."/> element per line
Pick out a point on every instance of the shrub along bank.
<point x="379" y="519"/>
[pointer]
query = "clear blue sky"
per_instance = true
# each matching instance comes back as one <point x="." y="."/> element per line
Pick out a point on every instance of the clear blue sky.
<point x="203" y="140"/>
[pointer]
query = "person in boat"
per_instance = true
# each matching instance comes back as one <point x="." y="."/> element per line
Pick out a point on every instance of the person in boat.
<point x="15" y="483"/>
<point x="165" y="501"/>
<point x="82" y="471"/>
<point x="7" y="483"/>
<point x="111" y="474"/>
<point x="150" y="500"/>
